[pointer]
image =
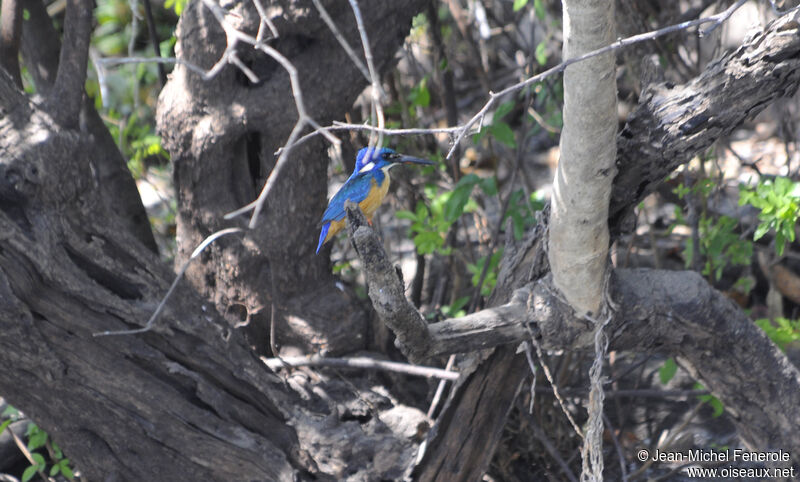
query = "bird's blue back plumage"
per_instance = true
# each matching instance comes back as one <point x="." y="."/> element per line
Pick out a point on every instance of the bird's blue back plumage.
<point x="357" y="186"/>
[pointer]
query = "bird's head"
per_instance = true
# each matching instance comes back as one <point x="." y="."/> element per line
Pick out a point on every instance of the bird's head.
<point x="372" y="159"/>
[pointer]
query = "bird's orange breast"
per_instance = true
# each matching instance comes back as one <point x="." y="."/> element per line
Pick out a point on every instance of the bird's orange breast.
<point x="369" y="205"/>
<point x="375" y="197"/>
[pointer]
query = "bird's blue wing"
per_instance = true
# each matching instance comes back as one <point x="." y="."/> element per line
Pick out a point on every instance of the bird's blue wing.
<point x="355" y="189"/>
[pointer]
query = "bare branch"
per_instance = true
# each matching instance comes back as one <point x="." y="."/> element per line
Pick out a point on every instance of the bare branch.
<point x="342" y="41"/>
<point x="621" y="43"/>
<point x="360" y="363"/>
<point x="377" y="91"/>
<point x="149" y="325"/>
<point x="65" y="100"/>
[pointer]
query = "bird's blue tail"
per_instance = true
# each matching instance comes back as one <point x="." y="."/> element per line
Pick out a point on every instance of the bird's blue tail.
<point x="322" y="235"/>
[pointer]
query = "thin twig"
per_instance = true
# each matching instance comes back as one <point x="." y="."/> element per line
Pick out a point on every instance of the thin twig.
<point x="342" y="41"/>
<point x="440" y="389"/>
<point x="377" y="91"/>
<point x="553" y="385"/>
<point x="361" y="363"/>
<point x="541" y="436"/>
<point x="618" y="448"/>
<point x="669" y="440"/>
<point x="149" y="325"/>
<point x="493" y="97"/>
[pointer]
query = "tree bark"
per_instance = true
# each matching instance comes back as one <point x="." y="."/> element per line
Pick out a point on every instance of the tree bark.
<point x="122" y="407"/>
<point x="658" y="137"/>
<point x="190" y="400"/>
<point x="222" y="135"/>
<point x="578" y="238"/>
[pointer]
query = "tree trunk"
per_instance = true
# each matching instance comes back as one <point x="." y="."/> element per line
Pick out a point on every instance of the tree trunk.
<point x="222" y="136"/>
<point x="189" y="399"/>
<point x="578" y="238"/>
<point x="659" y="136"/>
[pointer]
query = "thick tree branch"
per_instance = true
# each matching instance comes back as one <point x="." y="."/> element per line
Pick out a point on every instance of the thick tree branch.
<point x="40" y="46"/>
<point x="10" y="33"/>
<point x="673" y="312"/>
<point x="40" y="51"/>
<point x="386" y="288"/>
<point x="578" y="240"/>
<point x="66" y="98"/>
<point x="674" y="123"/>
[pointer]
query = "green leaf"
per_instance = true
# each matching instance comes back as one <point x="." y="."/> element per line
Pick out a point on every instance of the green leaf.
<point x="541" y="53"/>
<point x="10" y="412"/>
<point x="489" y="186"/>
<point x="36" y="437"/>
<point x="538" y="7"/>
<point x="428" y="241"/>
<point x="454" y="205"/>
<point x="503" y="133"/>
<point x="761" y="230"/>
<point x="519" y="5"/>
<point x="667" y="371"/>
<point x="503" y="110"/>
<point x="404" y="214"/>
<point x="29" y="473"/>
<point x="66" y="471"/>
<point x="420" y="95"/>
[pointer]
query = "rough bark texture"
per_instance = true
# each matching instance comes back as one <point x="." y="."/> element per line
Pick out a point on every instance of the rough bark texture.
<point x="652" y="144"/>
<point x="578" y="241"/>
<point x="222" y="135"/>
<point x="189" y="400"/>
<point x="40" y="52"/>
<point x="675" y="122"/>
<point x="124" y="407"/>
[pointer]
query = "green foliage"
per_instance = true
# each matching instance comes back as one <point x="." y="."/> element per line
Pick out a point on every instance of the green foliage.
<point x="519" y="5"/>
<point x="176" y="5"/>
<point x="38" y="466"/>
<point x="667" y="371"/>
<point x="782" y="331"/>
<point x="715" y="402"/>
<point x="538" y="7"/>
<point x="456" y="308"/>
<point x="522" y="211"/>
<point x="499" y="129"/>
<point x="420" y="96"/>
<point x="720" y="244"/>
<point x="430" y="225"/>
<point x="541" y="53"/>
<point x="38" y="439"/>
<point x="491" y="273"/>
<point x="779" y="203"/>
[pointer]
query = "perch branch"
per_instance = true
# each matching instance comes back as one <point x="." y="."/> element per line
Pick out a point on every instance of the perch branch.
<point x="386" y="289"/>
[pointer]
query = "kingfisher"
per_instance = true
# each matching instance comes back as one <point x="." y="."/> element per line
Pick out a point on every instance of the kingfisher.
<point x="367" y="186"/>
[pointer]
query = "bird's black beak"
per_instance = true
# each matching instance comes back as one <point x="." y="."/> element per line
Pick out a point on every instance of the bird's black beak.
<point x="412" y="160"/>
